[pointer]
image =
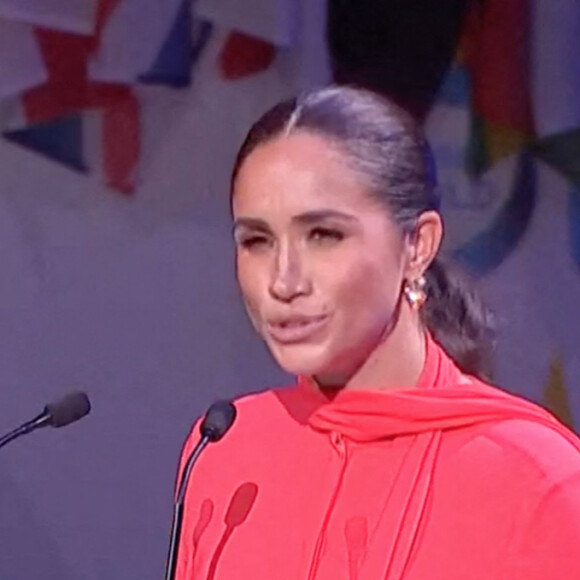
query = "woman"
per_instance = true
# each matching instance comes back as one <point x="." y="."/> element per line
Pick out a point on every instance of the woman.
<point x="390" y="458"/>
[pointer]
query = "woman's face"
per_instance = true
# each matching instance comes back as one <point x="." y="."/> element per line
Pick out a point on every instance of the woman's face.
<point x="320" y="263"/>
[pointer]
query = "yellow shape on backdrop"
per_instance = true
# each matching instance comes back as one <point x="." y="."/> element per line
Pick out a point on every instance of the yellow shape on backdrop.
<point x="555" y="397"/>
<point x="502" y="141"/>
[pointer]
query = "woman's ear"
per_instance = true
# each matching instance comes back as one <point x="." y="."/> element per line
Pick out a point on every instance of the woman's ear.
<point x="424" y="244"/>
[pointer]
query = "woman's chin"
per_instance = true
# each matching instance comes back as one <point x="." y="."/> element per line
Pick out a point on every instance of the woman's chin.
<point x="301" y="360"/>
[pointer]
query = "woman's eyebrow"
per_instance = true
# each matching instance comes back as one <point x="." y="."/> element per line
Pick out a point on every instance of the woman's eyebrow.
<point x="251" y="223"/>
<point x="315" y="216"/>
<point x="306" y="218"/>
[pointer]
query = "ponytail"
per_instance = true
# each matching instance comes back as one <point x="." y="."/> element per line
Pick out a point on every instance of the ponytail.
<point x="458" y="320"/>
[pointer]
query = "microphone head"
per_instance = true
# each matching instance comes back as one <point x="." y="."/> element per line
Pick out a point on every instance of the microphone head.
<point x="70" y="408"/>
<point x="218" y="419"/>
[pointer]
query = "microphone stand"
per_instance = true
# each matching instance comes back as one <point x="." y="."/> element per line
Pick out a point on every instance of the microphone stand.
<point x="40" y="421"/>
<point x="178" y="509"/>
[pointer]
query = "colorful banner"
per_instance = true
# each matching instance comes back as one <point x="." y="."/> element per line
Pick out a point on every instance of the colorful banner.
<point x="511" y="96"/>
<point x="495" y="51"/>
<point x="64" y="78"/>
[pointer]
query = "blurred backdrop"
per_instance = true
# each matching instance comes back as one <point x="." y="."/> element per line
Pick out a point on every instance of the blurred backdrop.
<point x="120" y="120"/>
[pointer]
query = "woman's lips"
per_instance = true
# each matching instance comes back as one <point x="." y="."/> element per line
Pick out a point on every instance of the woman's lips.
<point x="295" y="329"/>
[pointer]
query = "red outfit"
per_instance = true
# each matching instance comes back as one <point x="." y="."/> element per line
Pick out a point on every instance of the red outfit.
<point x="451" y="480"/>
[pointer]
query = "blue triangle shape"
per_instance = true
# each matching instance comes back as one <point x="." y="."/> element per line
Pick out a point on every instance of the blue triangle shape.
<point x="455" y="90"/>
<point x="181" y="48"/>
<point x="60" y="140"/>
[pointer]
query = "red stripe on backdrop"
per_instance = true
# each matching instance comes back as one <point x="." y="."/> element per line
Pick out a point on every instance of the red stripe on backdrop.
<point x="65" y="92"/>
<point x="105" y="9"/>
<point x="495" y="48"/>
<point x="121" y="130"/>
<point x="122" y="143"/>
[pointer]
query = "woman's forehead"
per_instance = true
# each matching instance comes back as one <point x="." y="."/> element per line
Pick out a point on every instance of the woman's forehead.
<point x="298" y="173"/>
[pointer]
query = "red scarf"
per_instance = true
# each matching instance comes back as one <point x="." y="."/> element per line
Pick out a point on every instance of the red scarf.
<point x="443" y="399"/>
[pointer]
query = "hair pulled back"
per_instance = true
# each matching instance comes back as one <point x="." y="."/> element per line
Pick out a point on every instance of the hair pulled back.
<point x="387" y="149"/>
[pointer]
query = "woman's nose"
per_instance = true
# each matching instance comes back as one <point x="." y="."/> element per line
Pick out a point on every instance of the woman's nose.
<point x="288" y="275"/>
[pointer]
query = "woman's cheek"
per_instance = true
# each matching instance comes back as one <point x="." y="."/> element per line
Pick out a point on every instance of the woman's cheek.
<point x="250" y="290"/>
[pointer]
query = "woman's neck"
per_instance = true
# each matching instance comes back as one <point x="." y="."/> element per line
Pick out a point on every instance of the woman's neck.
<point x="396" y="362"/>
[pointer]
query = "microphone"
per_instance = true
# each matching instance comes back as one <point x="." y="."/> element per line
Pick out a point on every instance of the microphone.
<point x="217" y="421"/>
<point x="69" y="409"/>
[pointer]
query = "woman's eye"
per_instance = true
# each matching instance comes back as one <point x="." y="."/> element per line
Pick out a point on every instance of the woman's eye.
<point x="253" y="242"/>
<point x="326" y="235"/>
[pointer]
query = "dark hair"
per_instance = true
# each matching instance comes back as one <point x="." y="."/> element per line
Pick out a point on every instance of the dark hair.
<point x="385" y="146"/>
